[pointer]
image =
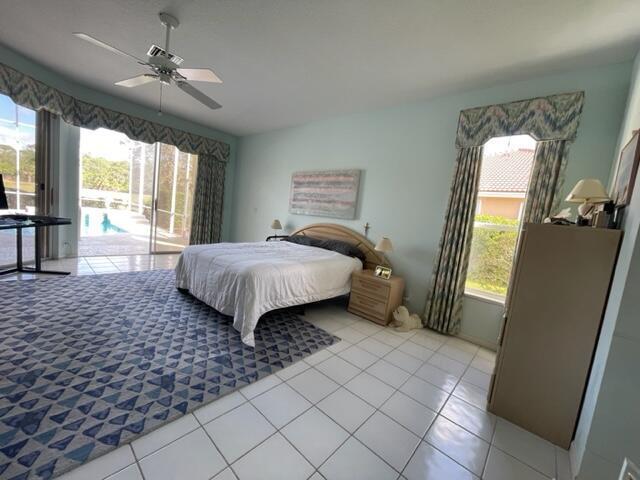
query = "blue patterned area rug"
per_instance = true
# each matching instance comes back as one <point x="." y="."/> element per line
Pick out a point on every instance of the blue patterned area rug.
<point x="90" y="363"/>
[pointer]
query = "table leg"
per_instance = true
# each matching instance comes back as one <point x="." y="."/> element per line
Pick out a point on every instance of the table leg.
<point x="19" y="249"/>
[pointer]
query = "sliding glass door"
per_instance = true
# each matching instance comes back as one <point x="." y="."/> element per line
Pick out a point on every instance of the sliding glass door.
<point x="175" y="183"/>
<point x="134" y="197"/>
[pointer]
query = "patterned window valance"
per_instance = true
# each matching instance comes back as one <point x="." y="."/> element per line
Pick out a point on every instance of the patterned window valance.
<point x="546" y="118"/>
<point x="31" y="93"/>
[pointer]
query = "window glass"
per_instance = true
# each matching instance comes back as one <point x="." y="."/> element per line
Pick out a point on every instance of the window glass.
<point x="504" y="180"/>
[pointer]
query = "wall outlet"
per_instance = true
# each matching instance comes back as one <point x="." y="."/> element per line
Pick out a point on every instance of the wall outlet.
<point x="630" y="471"/>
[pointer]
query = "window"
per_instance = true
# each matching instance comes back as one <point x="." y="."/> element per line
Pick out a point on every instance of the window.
<point x="504" y="180"/>
<point x="18" y="168"/>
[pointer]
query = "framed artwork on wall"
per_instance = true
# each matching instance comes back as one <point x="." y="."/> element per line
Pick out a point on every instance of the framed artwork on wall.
<point x="626" y="171"/>
<point x="325" y="193"/>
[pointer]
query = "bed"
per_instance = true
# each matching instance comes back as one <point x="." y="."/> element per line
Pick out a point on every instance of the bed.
<point x="247" y="280"/>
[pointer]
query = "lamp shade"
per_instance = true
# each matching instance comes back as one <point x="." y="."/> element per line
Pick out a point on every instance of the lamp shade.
<point x="384" y="245"/>
<point x="276" y="225"/>
<point x="588" y="190"/>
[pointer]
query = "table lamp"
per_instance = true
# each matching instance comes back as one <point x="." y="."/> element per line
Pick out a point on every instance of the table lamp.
<point x="384" y="245"/>
<point x="587" y="192"/>
<point x="275" y="226"/>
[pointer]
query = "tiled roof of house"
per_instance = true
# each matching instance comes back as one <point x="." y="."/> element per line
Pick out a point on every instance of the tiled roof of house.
<point x="506" y="172"/>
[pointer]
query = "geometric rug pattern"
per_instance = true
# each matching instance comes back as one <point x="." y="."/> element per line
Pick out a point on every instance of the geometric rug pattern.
<point x="92" y="362"/>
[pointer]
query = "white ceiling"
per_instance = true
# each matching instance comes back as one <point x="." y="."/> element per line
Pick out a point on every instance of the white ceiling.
<point x="287" y="62"/>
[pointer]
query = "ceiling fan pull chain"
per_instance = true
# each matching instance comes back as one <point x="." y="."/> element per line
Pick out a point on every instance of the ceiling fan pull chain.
<point x="160" y="105"/>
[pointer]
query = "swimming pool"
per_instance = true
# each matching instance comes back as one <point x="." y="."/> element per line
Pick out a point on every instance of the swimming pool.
<point x="98" y="223"/>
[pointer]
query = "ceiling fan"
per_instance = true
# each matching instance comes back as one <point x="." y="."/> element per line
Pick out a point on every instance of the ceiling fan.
<point x="164" y="66"/>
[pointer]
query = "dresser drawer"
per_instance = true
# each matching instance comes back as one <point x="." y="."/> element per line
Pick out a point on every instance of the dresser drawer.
<point x="371" y="288"/>
<point x="367" y="304"/>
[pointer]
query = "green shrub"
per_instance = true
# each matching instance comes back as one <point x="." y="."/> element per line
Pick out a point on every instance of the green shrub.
<point x="492" y="250"/>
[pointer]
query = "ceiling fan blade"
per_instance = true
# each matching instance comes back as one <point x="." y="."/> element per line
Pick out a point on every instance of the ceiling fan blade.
<point x="106" y="46"/>
<point x="199" y="75"/>
<point x="137" y="80"/>
<point x="198" y="95"/>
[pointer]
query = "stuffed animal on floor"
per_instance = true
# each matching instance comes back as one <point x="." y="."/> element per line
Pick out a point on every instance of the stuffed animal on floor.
<point x="403" y="321"/>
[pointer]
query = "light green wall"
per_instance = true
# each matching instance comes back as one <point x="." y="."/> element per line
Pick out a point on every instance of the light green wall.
<point x="25" y="65"/>
<point x="407" y="154"/>
<point x="610" y="418"/>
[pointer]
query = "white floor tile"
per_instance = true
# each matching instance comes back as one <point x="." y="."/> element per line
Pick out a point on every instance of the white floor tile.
<point x="292" y="370"/>
<point x="416" y="350"/>
<point x="462" y="356"/>
<point x="375" y="347"/>
<point x="563" y="464"/>
<point x="346" y="409"/>
<point x="526" y="447"/>
<point x="132" y="472"/>
<point x="193" y="456"/>
<point x="218" y="407"/>
<point x="486" y="354"/>
<point x="354" y="461"/>
<point x="437" y="377"/>
<point x="477" y="377"/>
<point x="461" y="344"/>
<point x="403" y="361"/>
<point x="366" y="327"/>
<point x="275" y="459"/>
<point x="428" y="395"/>
<point x="261" y="386"/>
<point x="447" y="364"/>
<point x="389" y="338"/>
<point x="427" y="341"/>
<point x="370" y="389"/>
<point x="350" y="334"/>
<point x="339" y="346"/>
<point x="388" y="373"/>
<point x="471" y="394"/>
<point x="319" y="356"/>
<point x="428" y="463"/>
<point x="313" y="385"/>
<point x="473" y="419"/>
<point x="338" y="370"/>
<point x="454" y="441"/>
<point x="239" y="430"/>
<point x="358" y="357"/>
<point x="483" y="364"/>
<point x="315" y="435"/>
<point x="226" y="474"/>
<point x="388" y="439"/>
<point x="281" y="404"/>
<point x="164" y="435"/>
<point x="409" y="413"/>
<point x="501" y="466"/>
<point x="103" y="466"/>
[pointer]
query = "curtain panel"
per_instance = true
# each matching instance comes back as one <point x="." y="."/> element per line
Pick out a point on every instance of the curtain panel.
<point x="443" y="311"/>
<point x="206" y="218"/>
<point x="28" y="92"/>
<point x="547" y="178"/>
<point x="553" y="121"/>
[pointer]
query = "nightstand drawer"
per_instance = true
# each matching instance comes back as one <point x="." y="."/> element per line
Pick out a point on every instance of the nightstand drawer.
<point x="368" y="304"/>
<point x="370" y="287"/>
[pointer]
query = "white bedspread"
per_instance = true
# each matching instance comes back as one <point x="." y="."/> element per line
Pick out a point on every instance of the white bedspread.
<point x="246" y="280"/>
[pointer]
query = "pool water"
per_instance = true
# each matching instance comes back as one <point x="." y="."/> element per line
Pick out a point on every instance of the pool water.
<point x="98" y="224"/>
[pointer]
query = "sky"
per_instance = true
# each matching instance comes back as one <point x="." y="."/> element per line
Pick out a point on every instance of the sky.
<point x="507" y="144"/>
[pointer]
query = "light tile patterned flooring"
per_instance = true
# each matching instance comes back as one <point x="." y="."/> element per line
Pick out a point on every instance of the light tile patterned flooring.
<point x="377" y="405"/>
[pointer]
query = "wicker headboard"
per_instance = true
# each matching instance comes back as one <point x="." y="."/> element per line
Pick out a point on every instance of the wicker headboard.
<point x="339" y="232"/>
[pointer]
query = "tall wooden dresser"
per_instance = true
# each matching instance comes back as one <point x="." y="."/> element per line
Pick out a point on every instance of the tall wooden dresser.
<point x="554" y="312"/>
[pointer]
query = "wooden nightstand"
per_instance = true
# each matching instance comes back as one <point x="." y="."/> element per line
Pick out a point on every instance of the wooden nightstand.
<point x="375" y="298"/>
